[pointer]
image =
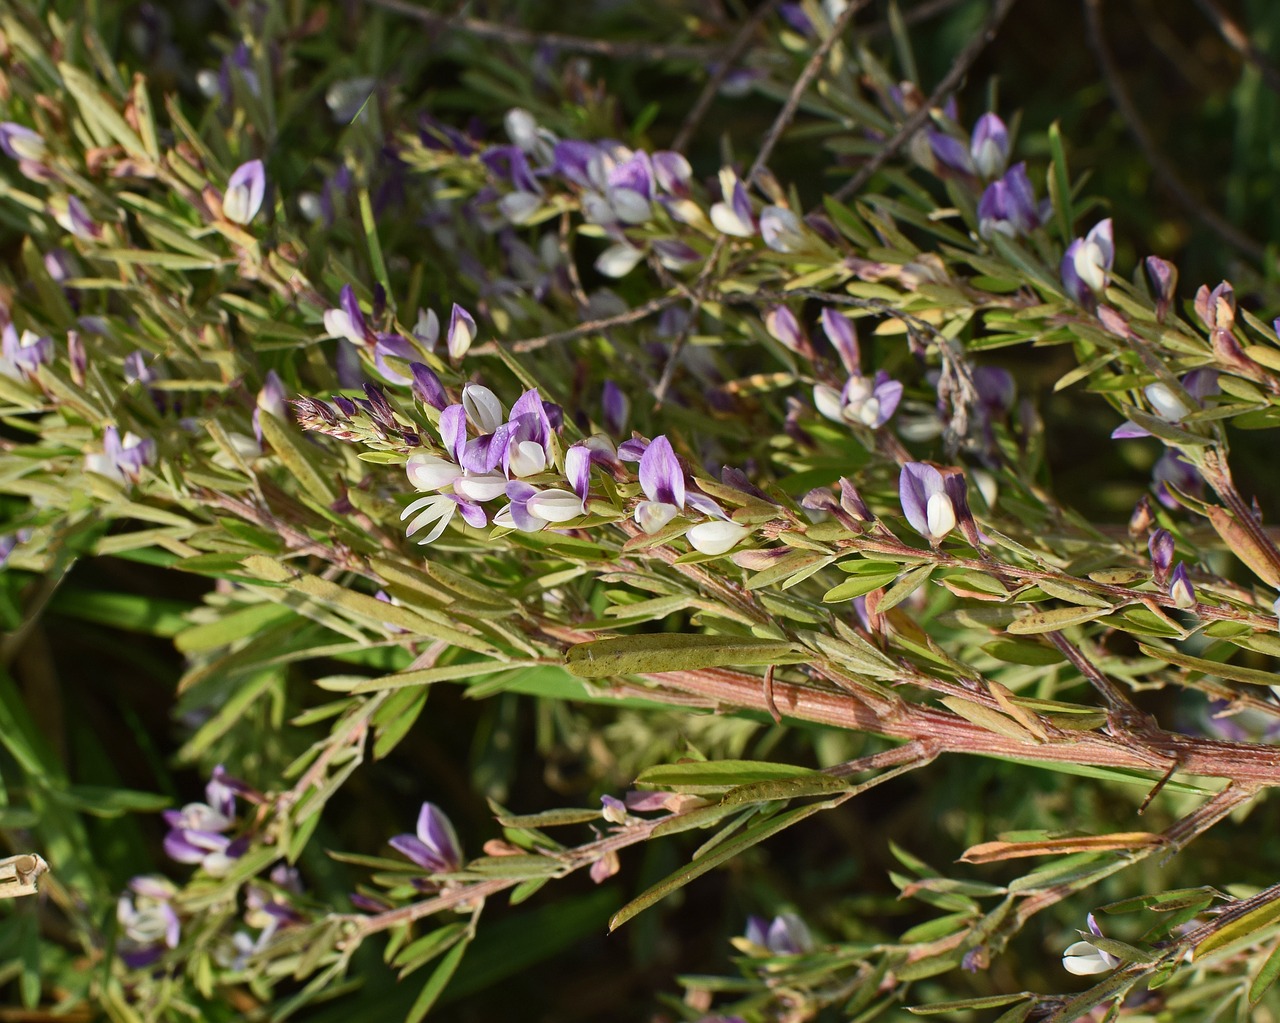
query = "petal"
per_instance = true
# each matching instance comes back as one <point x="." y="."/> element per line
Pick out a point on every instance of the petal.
<point x="577" y="469"/>
<point x="651" y="516"/>
<point x="462" y="331"/>
<point x="556" y="505"/>
<point x="431" y="472"/>
<point x="716" y="537"/>
<point x="918" y="482"/>
<point x="484" y="410"/>
<point x="661" y="477"/>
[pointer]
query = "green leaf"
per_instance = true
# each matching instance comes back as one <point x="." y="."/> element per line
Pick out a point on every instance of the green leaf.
<point x="650" y="653"/>
<point x="1250" y="676"/>
<point x="1239" y="929"/>
<point x="719" y="775"/>
<point x="435" y="985"/>
<point x="986" y="1002"/>
<point x="721" y="854"/>
<point x="1016" y="652"/>
<point x="299" y="458"/>
<point x="1053" y="621"/>
<point x="1265" y="977"/>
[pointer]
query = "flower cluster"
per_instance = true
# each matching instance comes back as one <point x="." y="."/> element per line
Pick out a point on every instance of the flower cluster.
<point x="148" y="922"/>
<point x="198" y="832"/>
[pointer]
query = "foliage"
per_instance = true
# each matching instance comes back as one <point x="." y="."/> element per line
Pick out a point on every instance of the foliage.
<point x="556" y="494"/>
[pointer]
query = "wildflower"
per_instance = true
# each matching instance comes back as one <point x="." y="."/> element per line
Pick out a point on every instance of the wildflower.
<point x="22" y="354"/>
<point x="989" y="145"/>
<point x="927" y="497"/>
<point x="245" y="190"/>
<point x="147" y="919"/>
<point x="662" y="480"/>
<point x="868" y="401"/>
<point x="427" y="387"/>
<point x="1181" y="592"/>
<point x="732" y="215"/>
<point x="271" y="401"/>
<point x="672" y="172"/>
<point x="435" y="847"/>
<point x="347" y="321"/>
<point x="1163" y="277"/>
<point x="1161" y="546"/>
<point x="613" y="810"/>
<point x="616" y="407"/>
<point x="782" y="230"/>
<point x="122" y="459"/>
<point x="843" y="337"/>
<point x="1008" y="206"/>
<point x="73" y="216"/>
<point x="1168" y="404"/>
<point x="785" y="935"/>
<point x="783" y="327"/>
<point x="21" y="143"/>
<point x="1084" y="959"/>
<point x="439" y="510"/>
<point x="1087" y="262"/>
<point x="197" y="831"/>
<point x="1171" y="470"/>
<point x="619" y="260"/>
<point x="716" y="537"/>
<point x="462" y="331"/>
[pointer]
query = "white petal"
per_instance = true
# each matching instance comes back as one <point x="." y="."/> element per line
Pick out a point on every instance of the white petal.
<point x="556" y="505"/>
<point x="726" y="221"/>
<point x="1167" y="405"/>
<point x="619" y="260"/>
<point x="520" y="207"/>
<point x="631" y="207"/>
<point x="484" y="410"/>
<point x="828" y="402"/>
<point x="430" y="472"/>
<point x="715" y="537"/>
<point x="653" y="515"/>
<point x="526" y="457"/>
<point x="941" y="515"/>
<point x="480" y="486"/>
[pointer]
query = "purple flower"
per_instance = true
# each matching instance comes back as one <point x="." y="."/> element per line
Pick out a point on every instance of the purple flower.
<point x="672" y="172"/>
<point x="950" y="152"/>
<point x="426" y="331"/>
<point x="245" y="190"/>
<point x="1008" y="205"/>
<point x="1085" y="959"/>
<point x="732" y="215"/>
<point x="196" y="832"/>
<point x="782" y="230"/>
<point x="462" y="331"/>
<point x="842" y="335"/>
<point x="21" y="143"/>
<point x="1161" y="546"/>
<point x="1163" y="277"/>
<point x="427" y="387"/>
<point x="785" y="935"/>
<point x="396" y="347"/>
<point x="989" y="145"/>
<point x="347" y="321"/>
<point x="22" y="354"/>
<point x="616" y="407"/>
<point x="1181" y="592"/>
<point x="868" y="401"/>
<point x="1166" y="403"/>
<point x="928" y="500"/>
<point x="122" y="459"/>
<point x="435" y="847"/>
<point x="1087" y="262"/>
<point x="76" y="219"/>
<point x="662" y="480"/>
<point x="783" y="327"/>
<point x="148" y="922"/>
<point x="271" y="401"/>
<point x="1173" y="471"/>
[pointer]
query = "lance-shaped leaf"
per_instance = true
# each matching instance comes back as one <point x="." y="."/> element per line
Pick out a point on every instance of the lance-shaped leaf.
<point x="651" y="653"/>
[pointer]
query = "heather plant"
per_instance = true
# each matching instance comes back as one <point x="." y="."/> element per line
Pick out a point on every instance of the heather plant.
<point x="456" y="508"/>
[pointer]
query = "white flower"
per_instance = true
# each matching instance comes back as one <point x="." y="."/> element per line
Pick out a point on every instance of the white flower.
<point x="437" y="509"/>
<point x="715" y="537"/>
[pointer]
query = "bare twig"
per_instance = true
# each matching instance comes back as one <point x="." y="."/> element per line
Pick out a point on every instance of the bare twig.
<point x="726" y="62"/>
<point x="950" y="82"/>
<point x="807" y="75"/>
<point x="1238" y="40"/>
<point x="482" y="29"/>
<point x="1160" y="166"/>
<point x="530" y="344"/>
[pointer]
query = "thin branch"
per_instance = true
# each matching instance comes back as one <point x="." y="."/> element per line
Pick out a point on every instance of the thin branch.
<point x="916" y="121"/>
<point x="810" y="72"/>
<point x="726" y="63"/>
<point x="530" y="344"/>
<point x="1238" y="40"/>
<point x="482" y="29"/>
<point x="1161" y="167"/>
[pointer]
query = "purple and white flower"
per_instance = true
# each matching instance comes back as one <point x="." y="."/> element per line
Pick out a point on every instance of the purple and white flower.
<point x="246" y="189"/>
<point x="1085" y="959"/>
<point x="1086" y="264"/>
<point x="732" y="215"/>
<point x="785" y="935"/>
<point x="122" y="459"/>
<point x="1008" y="206"/>
<point x="148" y="922"/>
<point x="931" y="499"/>
<point x="435" y="848"/>
<point x="662" y="480"/>
<point x="868" y="401"/>
<point x="22" y="354"/>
